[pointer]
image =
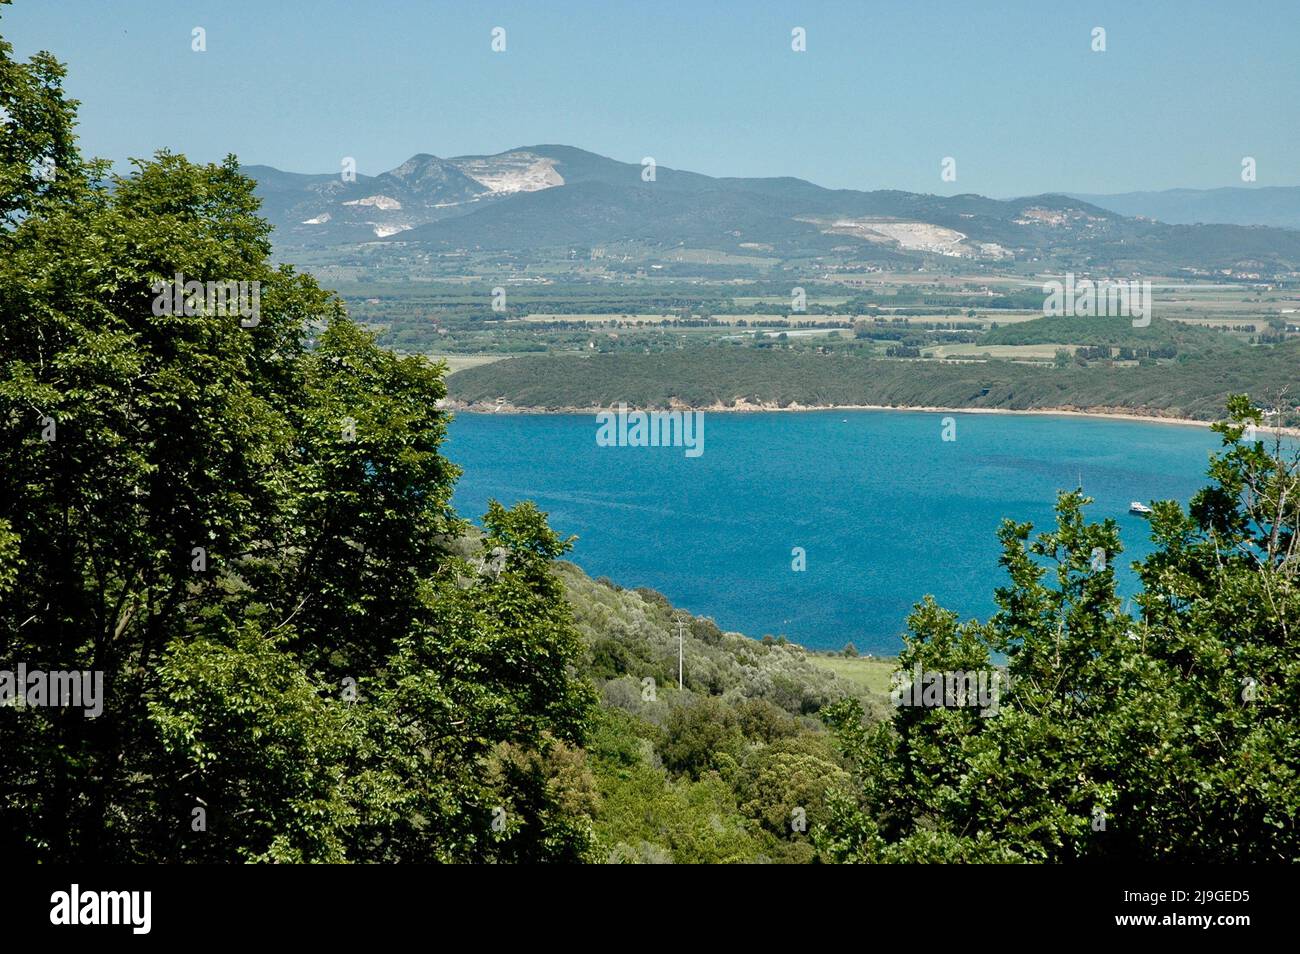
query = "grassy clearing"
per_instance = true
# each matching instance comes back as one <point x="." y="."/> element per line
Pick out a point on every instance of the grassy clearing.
<point x="873" y="673"/>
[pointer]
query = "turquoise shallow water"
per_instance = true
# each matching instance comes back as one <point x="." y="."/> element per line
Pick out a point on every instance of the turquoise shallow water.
<point x="885" y="510"/>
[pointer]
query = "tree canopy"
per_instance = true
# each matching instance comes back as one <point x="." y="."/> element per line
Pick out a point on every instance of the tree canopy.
<point x="245" y="527"/>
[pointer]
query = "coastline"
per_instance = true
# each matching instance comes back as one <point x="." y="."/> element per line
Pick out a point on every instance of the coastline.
<point x="745" y="407"/>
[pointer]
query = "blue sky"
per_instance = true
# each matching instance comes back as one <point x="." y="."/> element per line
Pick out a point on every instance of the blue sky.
<point x="884" y="92"/>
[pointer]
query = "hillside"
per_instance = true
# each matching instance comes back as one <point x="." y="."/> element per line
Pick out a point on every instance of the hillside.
<point x="713" y="772"/>
<point x="1195" y="387"/>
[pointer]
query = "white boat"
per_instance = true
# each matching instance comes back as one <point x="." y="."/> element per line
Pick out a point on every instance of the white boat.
<point x="1139" y="508"/>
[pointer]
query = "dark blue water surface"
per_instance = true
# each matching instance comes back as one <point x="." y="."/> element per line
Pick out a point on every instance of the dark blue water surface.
<point x="885" y="510"/>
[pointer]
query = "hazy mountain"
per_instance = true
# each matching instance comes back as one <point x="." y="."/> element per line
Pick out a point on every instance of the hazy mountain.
<point x="555" y="197"/>
<point x="330" y="210"/>
<point x="1266" y="205"/>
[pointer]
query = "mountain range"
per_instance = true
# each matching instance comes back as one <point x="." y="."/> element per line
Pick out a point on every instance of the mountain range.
<point x="1262" y="205"/>
<point x="555" y="197"/>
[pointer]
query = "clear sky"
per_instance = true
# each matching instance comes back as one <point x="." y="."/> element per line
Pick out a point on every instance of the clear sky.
<point x="885" y="90"/>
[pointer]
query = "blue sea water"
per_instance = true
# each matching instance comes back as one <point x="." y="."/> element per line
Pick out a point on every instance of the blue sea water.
<point x="885" y="510"/>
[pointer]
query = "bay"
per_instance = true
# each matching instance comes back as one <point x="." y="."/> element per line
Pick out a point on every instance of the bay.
<point x="885" y="510"/>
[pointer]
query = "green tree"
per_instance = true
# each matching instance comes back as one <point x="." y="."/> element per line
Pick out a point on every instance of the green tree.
<point x="246" y="528"/>
<point x="700" y="736"/>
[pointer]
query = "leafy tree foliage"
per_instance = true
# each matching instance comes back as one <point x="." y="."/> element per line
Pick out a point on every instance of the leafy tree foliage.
<point x="247" y="530"/>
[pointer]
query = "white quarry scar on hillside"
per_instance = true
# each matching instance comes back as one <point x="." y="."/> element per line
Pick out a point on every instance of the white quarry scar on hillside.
<point x="513" y="172"/>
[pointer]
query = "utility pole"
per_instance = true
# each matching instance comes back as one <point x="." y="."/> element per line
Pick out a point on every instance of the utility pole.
<point x="680" y="652"/>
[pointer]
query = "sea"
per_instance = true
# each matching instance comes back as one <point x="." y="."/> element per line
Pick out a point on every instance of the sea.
<point x="825" y="527"/>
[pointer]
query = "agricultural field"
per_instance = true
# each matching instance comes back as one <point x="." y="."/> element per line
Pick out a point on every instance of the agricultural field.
<point x="459" y="362"/>
<point x="1034" y="352"/>
<point x="956" y="317"/>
